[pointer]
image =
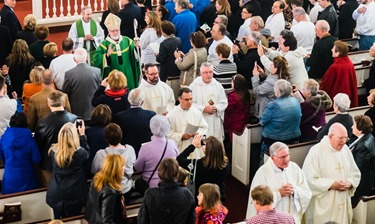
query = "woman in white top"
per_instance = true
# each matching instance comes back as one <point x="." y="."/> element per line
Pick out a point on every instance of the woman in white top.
<point x="151" y="34"/>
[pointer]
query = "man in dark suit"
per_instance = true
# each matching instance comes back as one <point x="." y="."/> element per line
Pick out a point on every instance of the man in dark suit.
<point x="38" y="107"/>
<point x="9" y="18"/>
<point x="6" y="43"/>
<point x="80" y="84"/>
<point x="47" y="131"/>
<point x="135" y="122"/>
<point x="127" y="15"/>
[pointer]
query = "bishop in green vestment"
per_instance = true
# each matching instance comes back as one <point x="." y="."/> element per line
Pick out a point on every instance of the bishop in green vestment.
<point x="117" y="52"/>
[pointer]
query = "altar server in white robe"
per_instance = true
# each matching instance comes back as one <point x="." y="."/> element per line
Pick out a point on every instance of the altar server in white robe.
<point x="180" y="116"/>
<point x="209" y="98"/>
<point x="86" y="33"/>
<point x="333" y="177"/>
<point x="291" y="193"/>
<point x="159" y="97"/>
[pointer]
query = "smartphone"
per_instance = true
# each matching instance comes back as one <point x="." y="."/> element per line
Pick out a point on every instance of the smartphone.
<point x="79" y="122"/>
<point x="203" y="141"/>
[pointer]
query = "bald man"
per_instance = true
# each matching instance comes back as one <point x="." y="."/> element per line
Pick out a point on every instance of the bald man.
<point x="332" y="176"/>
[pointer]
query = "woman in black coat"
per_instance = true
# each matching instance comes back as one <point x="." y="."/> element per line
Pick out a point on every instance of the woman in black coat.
<point x="67" y="191"/>
<point x="104" y="203"/>
<point x="167" y="48"/>
<point x="363" y="149"/>
<point x="213" y="168"/>
<point x="171" y="202"/>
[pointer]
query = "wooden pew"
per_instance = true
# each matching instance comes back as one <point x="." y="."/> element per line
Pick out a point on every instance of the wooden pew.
<point x="131" y="211"/>
<point x="34" y="206"/>
<point x="359" y="56"/>
<point x="352" y="42"/>
<point x="352" y="111"/>
<point x="35" y="209"/>
<point x="241" y="150"/>
<point x="243" y="144"/>
<point x="364" y="212"/>
<point x="362" y="74"/>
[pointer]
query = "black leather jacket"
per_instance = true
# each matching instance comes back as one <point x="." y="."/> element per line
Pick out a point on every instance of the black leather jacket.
<point x="364" y="156"/>
<point x="46" y="133"/>
<point x="170" y="203"/>
<point x="103" y="206"/>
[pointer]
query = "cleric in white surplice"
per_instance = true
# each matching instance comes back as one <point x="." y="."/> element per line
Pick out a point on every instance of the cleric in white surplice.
<point x="209" y="98"/>
<point x="333" y="177"/>
<point x="291" y="193"/>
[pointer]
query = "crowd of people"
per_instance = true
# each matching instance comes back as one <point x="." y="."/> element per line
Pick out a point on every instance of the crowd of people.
<point x="102" y="110"/>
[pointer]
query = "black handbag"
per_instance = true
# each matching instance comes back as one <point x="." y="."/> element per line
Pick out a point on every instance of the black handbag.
<point x="140" y="184"/>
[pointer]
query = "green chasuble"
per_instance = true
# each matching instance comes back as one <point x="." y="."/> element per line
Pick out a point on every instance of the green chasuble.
<point x="81" y="33"/>
<point x="129" y="65"/>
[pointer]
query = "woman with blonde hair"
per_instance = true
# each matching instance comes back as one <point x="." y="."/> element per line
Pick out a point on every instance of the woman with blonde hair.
<point x="104" y="199"/>
<point x="116" y="96"/>
<point x="49" y="52"/>
<point x="33" y="86"/>
<point x="210" y="209"/>
<point x="66" y="193"/>
<point x="150" y="35"/>
<point x="28" y="32"/>
<point x="20" y="63"/>
<point x="212" y="168"/>
<point x="223" y="8"/>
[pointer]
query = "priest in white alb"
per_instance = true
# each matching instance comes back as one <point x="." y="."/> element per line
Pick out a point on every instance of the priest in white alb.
<point x="291" y="193"/>
<point x="333" y="177"/>
<point x="209" y="98"/>
<point x="86" y="33"/>
<point x="159" y="97"/>
<point x="182" y="115"/>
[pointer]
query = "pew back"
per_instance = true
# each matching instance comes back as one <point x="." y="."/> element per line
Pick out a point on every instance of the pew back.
<point x="252" y="134"/>
<point x="34" y="206"/>
<point x="363" y="213"/>
<point x="241" y="149"/>
<point x="359" y="56"/>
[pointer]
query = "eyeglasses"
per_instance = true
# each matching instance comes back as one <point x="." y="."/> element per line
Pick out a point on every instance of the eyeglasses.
<point x="342" y="138"/>
<point x="187" y="99"/>
<point x="283" y="157"/>
<point x="153" y="74"/>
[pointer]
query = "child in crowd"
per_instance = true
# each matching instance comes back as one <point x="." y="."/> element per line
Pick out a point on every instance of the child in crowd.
<point x="209" y="209"/>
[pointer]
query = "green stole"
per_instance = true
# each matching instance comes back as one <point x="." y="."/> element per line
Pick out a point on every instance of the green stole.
<point x="81" y="33"/>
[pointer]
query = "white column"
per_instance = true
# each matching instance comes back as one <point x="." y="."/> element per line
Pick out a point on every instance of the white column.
<point x="69" y="8"/>
<point x="62" y="8"/>
<point x="54" y="9"/>
<point x="37" y="8"/>
<point x="75" y="8"/>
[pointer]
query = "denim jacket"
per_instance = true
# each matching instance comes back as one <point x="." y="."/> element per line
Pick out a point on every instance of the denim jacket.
<point x="281" y="119"/>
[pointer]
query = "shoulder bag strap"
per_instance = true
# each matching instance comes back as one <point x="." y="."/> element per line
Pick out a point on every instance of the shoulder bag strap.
<point x="195" y="65"/>
<point x="313" y="115"/>
<point x="161" y="158"/>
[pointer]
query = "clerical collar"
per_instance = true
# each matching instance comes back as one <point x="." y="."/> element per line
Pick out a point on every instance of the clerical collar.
<point x="275" y="168"/>
<point x="84" y="20"/>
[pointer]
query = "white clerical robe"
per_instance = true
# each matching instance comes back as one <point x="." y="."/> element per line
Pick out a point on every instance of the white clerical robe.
<point x="158" y="97"/>
<point x="275" y="178"/>
<point x="323" y="165"/>
<point x="203" y="95"/>
<point x="178" y="119"/>
<point x="80" y="42"/>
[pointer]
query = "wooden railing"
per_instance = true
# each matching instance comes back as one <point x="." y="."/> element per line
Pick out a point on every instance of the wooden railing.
<point x="64" y="12"/>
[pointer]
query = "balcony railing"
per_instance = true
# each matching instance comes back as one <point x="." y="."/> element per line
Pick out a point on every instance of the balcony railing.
<point x="64" y="12"/>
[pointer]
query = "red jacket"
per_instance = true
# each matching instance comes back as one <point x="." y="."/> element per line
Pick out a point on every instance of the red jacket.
<point x="341" y="78"/>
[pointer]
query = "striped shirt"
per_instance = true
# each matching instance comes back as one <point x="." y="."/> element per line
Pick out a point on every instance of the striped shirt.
<point x="223" y="73"/>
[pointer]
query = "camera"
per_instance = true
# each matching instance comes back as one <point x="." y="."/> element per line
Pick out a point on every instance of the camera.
<point x="203" y="141"/>
<point x="79" y="122"/>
